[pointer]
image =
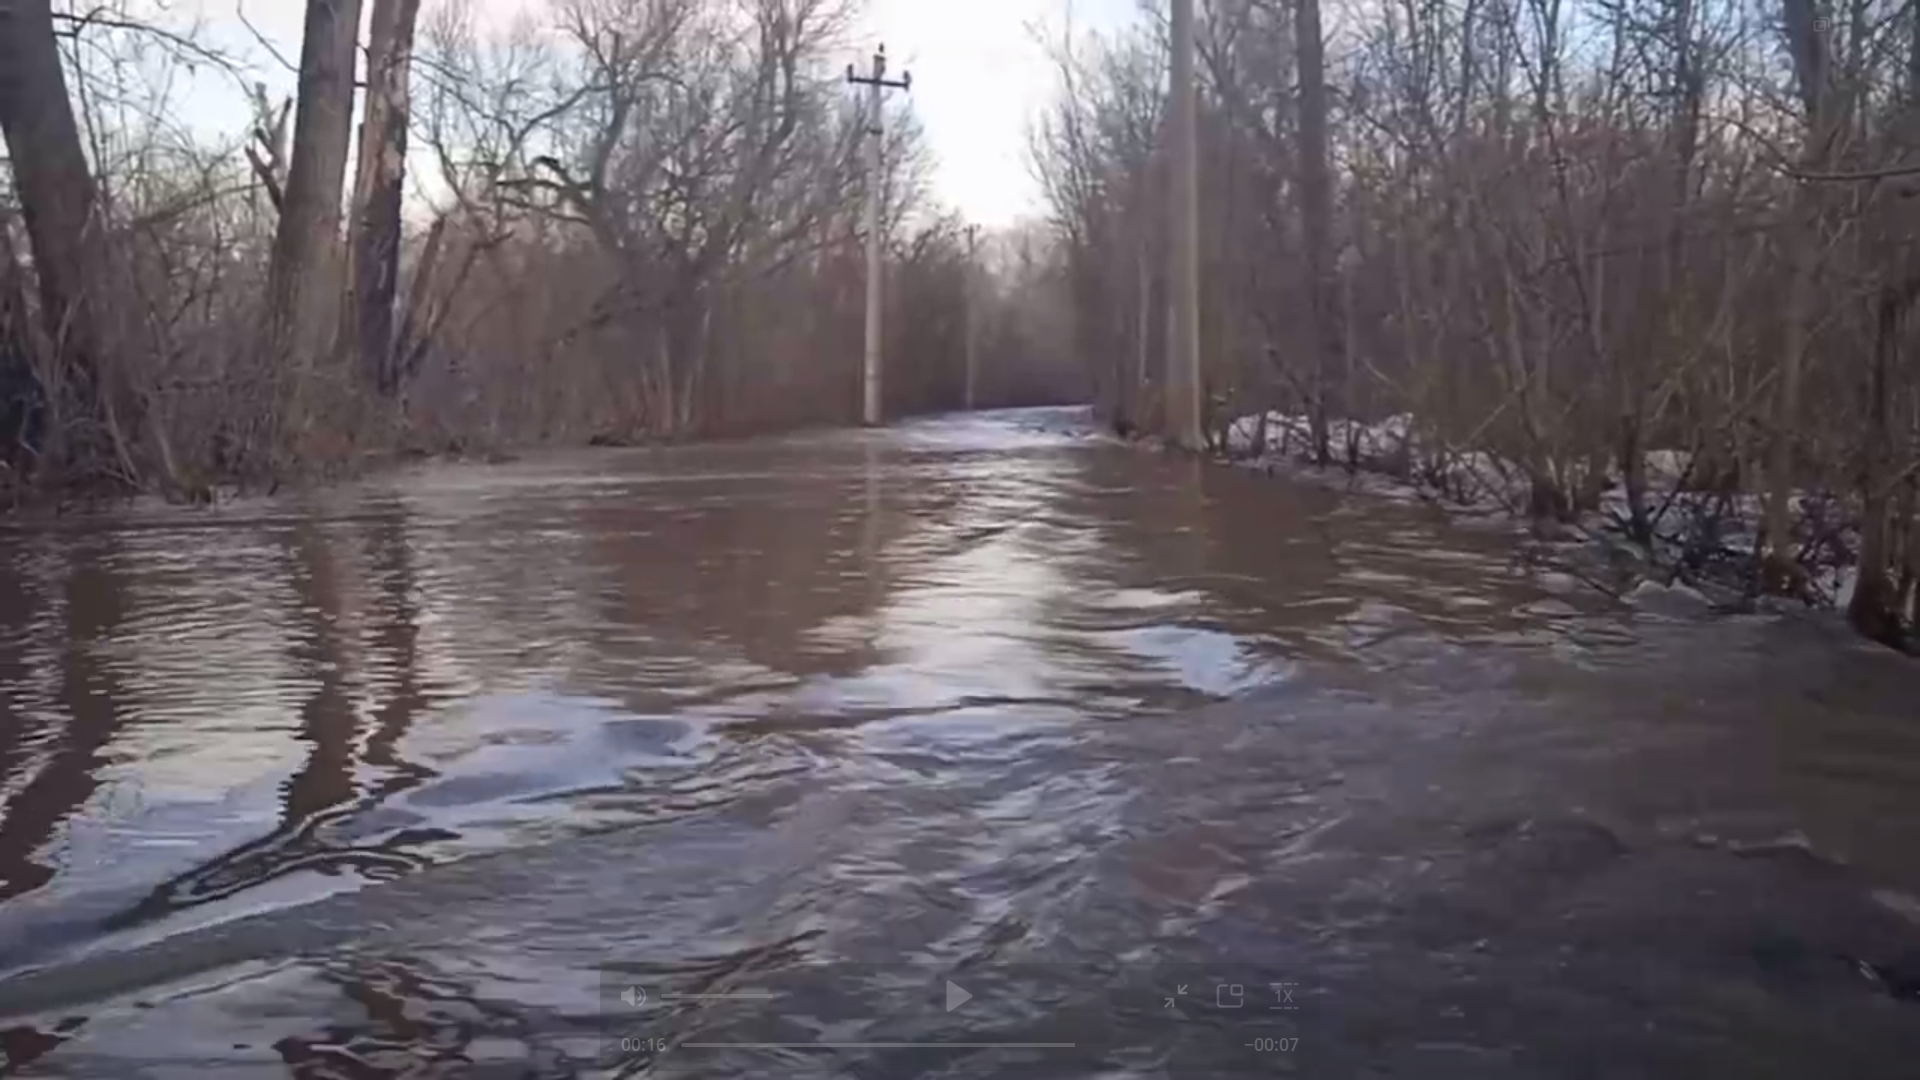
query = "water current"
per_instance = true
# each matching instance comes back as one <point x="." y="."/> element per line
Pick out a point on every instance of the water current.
<point x="975" y="747"/>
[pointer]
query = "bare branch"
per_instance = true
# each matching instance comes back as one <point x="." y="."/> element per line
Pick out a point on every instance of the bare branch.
<point x="240" y="11"/>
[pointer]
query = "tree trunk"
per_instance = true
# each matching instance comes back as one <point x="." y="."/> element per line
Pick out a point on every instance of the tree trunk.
<point x="1874" y="610"/>
<point x="1908" y="592"/>
<point x="23" y="401"/>
<point x="1683" y="135"/>
<point x="1143" y="325"/>
<point x="374" y="249"/>
<point x="421" y="319"/>
<point x="57" y="197"/>
<point x="304" y="256"/>
<point x="1878" y="608"/>
<point x="1316" y="212"/>
<point x="1807" y="44"/>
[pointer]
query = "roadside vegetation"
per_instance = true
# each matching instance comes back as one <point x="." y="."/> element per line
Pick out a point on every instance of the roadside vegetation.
<point x="608" y="221"/>
<point x="1644" y="262"/>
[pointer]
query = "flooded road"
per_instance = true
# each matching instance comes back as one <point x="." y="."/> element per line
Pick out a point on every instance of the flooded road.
<point x="978" y="747"/>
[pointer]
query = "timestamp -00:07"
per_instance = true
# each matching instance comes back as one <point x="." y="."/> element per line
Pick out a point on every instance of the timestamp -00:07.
<point x="1270" y="1046"/>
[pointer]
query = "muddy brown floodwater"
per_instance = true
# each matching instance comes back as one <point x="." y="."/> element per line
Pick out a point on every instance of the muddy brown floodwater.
<point x="978" y="747"/>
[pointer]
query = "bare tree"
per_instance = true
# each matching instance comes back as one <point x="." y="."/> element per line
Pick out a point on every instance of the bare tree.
<point x="644" y="226"/>
<point x="57" y="203"/>
<point x="374" y="254"/>
<point x="304" y="275"/>
<point x="1807" y="45"/>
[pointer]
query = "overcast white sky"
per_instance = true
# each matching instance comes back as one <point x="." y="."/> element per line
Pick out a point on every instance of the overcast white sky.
<point x="979" y="70"/>
<point x="979" y="73"/>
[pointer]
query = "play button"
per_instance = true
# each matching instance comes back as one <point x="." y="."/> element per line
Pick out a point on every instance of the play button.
<point x="956" y="997"/>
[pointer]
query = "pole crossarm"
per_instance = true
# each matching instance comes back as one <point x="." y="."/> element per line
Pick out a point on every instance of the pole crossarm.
<point x="879" y="76"/>
<point x="905" y="83"/>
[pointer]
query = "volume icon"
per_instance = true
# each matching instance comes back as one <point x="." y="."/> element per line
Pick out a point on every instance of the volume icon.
<point x="634" y="996"/>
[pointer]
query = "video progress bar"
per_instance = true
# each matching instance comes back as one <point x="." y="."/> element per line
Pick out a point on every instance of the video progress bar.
<point x="882" y="1045"/>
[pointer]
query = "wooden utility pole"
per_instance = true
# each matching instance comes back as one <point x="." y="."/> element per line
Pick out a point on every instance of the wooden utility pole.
<point x="973" y="364"/>
<point x="876" y="85"/>
<point x="1316" y="211"/>
<point x="1183" y="330"/>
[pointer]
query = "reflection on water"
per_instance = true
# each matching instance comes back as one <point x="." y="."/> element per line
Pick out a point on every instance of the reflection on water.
<point x="970" y="691"/>
<point x="86" y="695"/>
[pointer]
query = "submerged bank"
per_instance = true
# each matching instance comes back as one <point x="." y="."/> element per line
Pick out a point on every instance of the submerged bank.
<point x="339" y="464"/>
<point x="1703" y="546"/>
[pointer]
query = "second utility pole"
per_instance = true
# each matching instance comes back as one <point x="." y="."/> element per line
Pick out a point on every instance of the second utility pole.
<point x="876" y="84"/>
<point x="1183" y="329"/>
<point x="973" y="241"/>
